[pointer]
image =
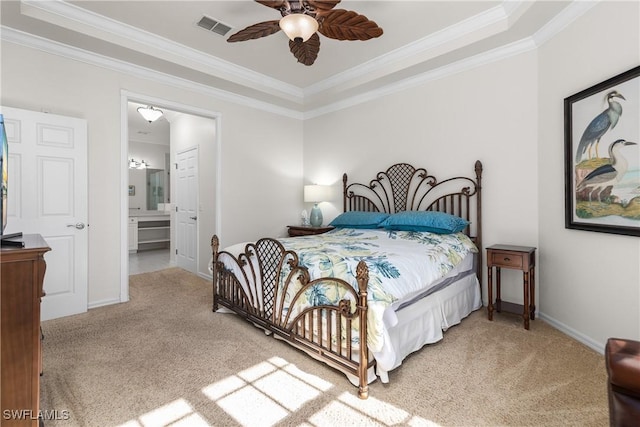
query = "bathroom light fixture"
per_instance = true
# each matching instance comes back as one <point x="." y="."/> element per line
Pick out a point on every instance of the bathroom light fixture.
<point x="150" y="113"/>
<point x="133" y="164"/>
<point x="316" y="194"/>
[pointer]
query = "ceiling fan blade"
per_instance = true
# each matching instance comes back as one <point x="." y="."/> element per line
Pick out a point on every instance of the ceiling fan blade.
<point x="323" y="4"/>
<point x="343" y="24"/>
<point x="256" y="31"/>
<point x="273" y="4"/>
<point x="306" y="52"/>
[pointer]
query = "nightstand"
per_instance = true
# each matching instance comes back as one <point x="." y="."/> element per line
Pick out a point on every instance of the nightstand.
<point x="518" y="258"/>
<point x="302" y="230"/>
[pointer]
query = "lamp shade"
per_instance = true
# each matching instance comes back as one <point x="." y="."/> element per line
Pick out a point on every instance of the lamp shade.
<point x="150" y="113"/>
<point x="298" y="26"/>
<point x="316" y="193"/>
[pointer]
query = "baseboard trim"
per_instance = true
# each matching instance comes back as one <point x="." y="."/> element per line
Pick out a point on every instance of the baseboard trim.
<point x="596" y="346"/>
<point x="103" y="302"/>
<point x="205" y="276"/>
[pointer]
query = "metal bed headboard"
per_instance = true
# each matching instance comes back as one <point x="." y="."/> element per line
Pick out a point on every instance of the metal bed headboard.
<point x="403" y="187"/>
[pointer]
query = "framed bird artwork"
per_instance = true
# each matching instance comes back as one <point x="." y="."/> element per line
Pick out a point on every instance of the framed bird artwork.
<point x="602" y="156"/>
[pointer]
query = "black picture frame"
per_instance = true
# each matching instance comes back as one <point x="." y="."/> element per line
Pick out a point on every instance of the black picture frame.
<point x="602" y="191"/>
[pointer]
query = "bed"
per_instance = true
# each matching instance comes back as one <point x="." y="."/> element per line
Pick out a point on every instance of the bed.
<point x="359" y="283"/>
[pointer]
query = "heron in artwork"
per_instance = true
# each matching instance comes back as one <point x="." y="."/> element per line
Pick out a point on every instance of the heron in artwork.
<point x="604" y="121"/>
<point x="610" y="174"/>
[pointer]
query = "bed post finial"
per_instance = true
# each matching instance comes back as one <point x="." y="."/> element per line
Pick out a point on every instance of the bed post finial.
<point x="479" y="219"/>
<point x="344" y="192"/>
<point x="478" y="168"/>
<point x="215" y="246"/>
<point x="362" y="277"/>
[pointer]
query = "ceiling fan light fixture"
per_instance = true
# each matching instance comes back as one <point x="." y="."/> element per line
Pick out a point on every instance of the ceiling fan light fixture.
<point x="298" y="26"/>
<point x="149" y="113"/>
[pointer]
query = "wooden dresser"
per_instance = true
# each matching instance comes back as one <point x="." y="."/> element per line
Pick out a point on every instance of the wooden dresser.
<point x="22" y="274"/>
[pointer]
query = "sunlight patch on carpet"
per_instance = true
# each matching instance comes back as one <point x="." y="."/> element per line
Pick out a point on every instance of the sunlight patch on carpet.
<point x="277" y="389"/>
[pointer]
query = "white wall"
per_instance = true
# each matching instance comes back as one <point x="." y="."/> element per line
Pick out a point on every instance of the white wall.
<point x="486" y="114"/>
<point x="590" y="282"/>
<point x="261" y="152"/>
<point x="509" y="114"/>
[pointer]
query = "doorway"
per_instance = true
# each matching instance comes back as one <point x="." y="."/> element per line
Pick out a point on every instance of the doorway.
<point x="149" y="237"/>
<point x="188" y="127"/>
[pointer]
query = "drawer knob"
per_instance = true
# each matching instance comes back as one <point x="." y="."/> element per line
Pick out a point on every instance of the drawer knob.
<point x="507" y="259"/>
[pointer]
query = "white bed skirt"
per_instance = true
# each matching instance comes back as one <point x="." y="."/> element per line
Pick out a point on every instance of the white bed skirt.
<point x="425" y="321"/>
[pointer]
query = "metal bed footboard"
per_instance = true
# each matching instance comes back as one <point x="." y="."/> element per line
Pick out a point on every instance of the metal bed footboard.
<point x="253" y="285"/>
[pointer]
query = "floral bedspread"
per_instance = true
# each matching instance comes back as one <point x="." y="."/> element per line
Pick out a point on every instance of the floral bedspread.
<point x="401" y="264"/>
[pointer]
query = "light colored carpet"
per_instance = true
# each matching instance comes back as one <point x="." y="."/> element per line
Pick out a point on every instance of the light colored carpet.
<point x="165" y="359"/>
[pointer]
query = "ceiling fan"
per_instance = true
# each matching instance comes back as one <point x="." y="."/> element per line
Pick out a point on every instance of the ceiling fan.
<point x="302" y="20"/>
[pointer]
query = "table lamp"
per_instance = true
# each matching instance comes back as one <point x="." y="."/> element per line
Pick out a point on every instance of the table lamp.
<point x="316" y="194"/>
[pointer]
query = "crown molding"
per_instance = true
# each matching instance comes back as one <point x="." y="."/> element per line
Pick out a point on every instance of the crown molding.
<point x="126" y="35"/>
<point x="51" y="47"/>
<point x="466" y="64"/>
<point x="441" y="41"/>
<point x="562" y="20"/>
<point x="573" y="11"/>
<point x="558" y="23"/>
<point x="113" y="31"/>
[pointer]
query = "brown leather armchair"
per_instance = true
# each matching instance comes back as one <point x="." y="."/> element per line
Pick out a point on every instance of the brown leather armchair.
<point x="622" y="358"/>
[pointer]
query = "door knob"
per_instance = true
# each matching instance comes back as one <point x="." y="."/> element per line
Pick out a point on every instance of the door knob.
<point x="79" y="225"/>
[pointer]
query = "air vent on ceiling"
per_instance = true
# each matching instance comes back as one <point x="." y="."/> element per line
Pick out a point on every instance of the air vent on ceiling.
<point x="213" y="25"/>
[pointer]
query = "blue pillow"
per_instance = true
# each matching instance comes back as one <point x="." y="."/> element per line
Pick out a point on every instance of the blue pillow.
<point x="359" y="219"/>
<point x="434" y="222"/>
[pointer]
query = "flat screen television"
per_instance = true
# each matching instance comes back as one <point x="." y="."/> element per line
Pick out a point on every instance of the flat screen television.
<point x="4" y="160"/>
<point x="4" y="165"/>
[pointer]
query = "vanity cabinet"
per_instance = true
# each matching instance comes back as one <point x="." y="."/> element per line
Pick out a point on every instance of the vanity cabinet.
<point x="153" y="233"/>
<point x="149" y="232"/>
<point x="132" y="233"/>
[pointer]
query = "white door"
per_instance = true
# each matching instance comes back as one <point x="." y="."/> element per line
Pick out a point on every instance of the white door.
<point x="187" y="210"/>
<point x="47" y="195"/>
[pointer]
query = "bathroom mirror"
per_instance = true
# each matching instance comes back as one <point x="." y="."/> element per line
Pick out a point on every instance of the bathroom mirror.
<point x="149" y="189"/>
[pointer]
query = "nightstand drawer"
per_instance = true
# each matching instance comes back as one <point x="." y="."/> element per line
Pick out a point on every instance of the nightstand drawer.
<point x="502" y="259"/>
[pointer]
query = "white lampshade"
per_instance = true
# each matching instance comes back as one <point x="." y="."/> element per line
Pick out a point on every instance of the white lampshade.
<point x="316" y="193"/>
<point x="299" y="26"/>
<point x="150" y="113"/>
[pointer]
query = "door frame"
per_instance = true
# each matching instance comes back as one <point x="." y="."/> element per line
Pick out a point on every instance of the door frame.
<point x="126" y="97"/>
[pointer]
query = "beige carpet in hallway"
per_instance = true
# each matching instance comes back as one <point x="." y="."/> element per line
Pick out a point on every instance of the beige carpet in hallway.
<point x="165" y="359"/>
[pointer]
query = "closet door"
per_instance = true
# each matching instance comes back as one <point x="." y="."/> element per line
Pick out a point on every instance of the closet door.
<point x="47" y="195"/>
